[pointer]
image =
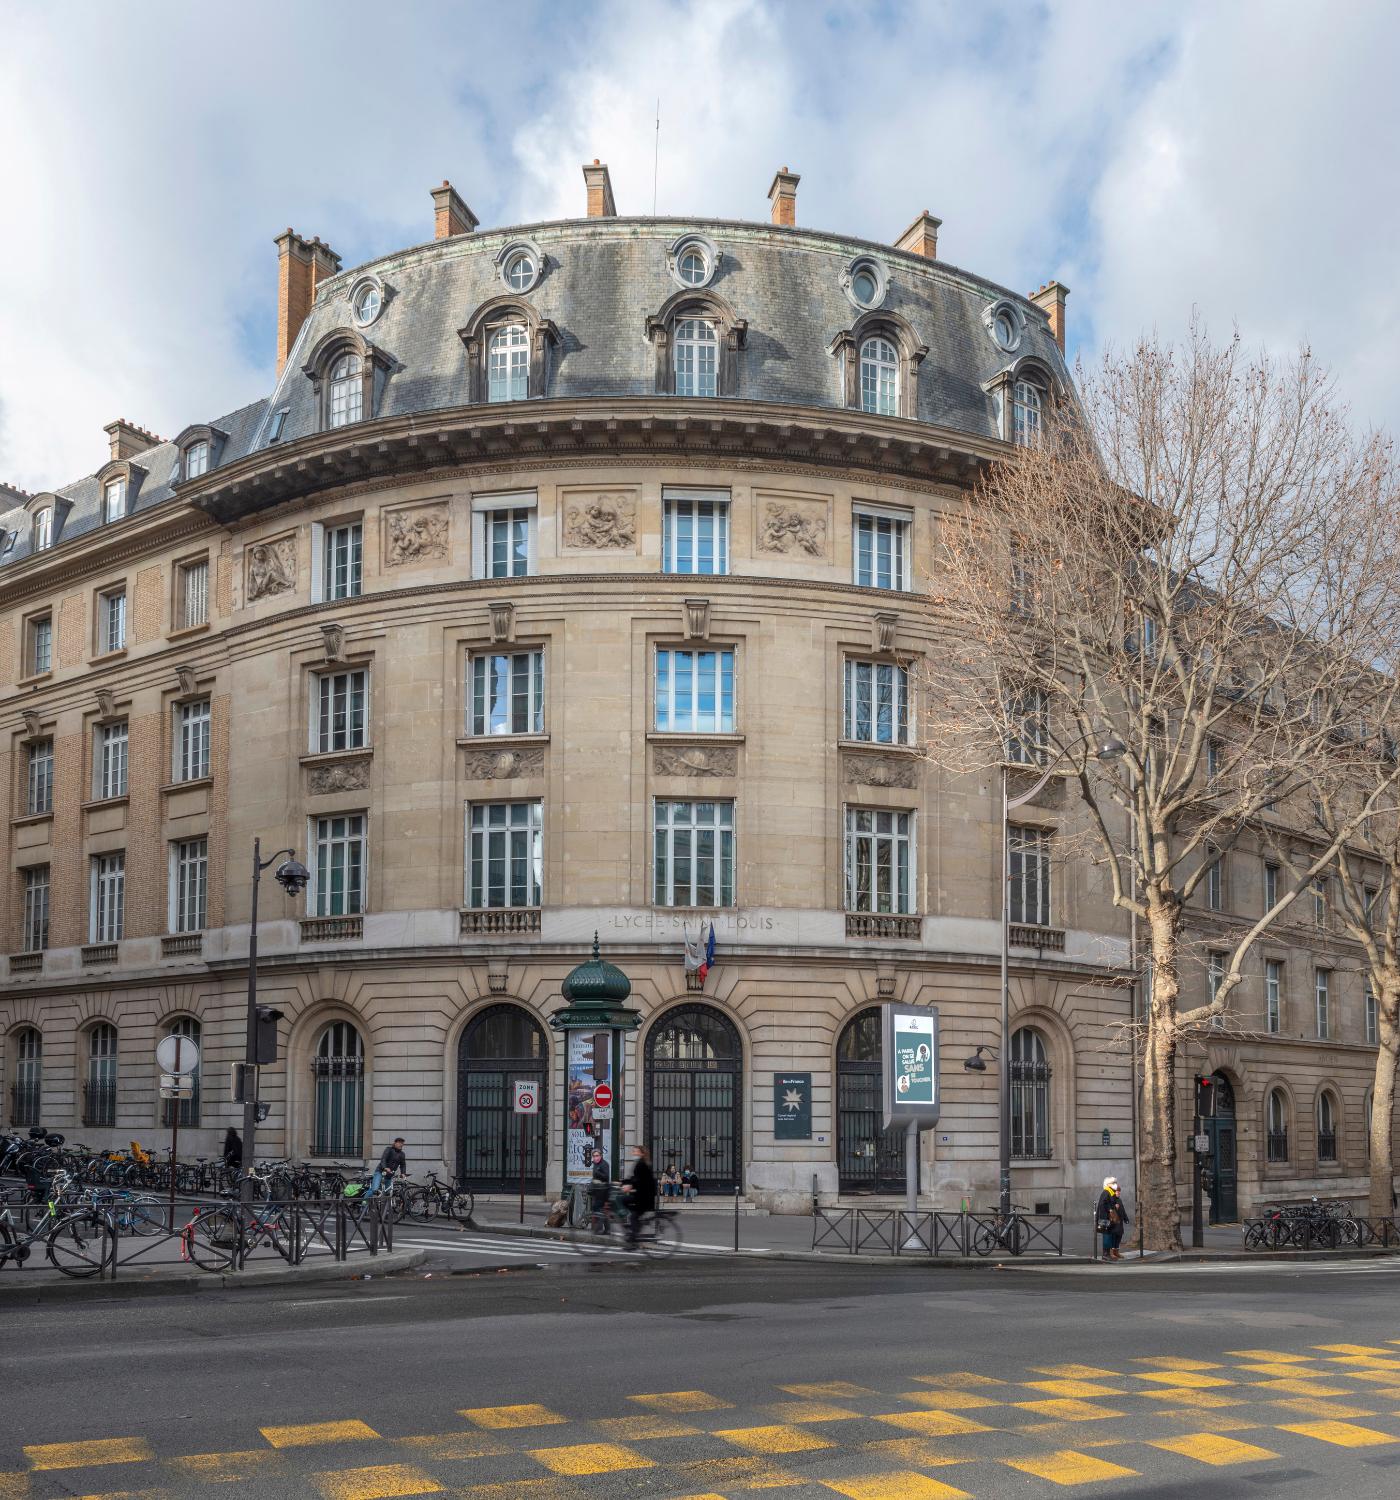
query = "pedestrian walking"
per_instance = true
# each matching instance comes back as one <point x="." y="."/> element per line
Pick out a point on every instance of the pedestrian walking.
<point x="1111" y="1218"/>
<point x="233" y="1149"/>
<point x="392" y="1164"/>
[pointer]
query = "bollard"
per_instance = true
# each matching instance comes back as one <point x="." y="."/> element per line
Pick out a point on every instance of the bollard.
<point x="1095" y="1242"/>
<point x="736" y="1221"/>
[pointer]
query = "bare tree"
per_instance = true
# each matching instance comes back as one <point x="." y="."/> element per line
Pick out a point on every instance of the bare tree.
<point x="1176" y="569"/>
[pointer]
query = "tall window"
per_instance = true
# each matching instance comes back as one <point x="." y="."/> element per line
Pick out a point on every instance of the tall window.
<point x="1028" y="716"/>
<point x="879" y="377"/>
<point x="43" y="529"/>
<point x="41" y="644"/>
<point x="342" y="702"/>
<point x="188" y="1027"/>
<point x="695" y="691"/>
<point x="194" y="594"/>
<point x="338" y="880"/>
<point x="506" y="693"/>
<point x="111" y="622"/>
<point x="26" y="1099"/>
<point x="508" y="364"/>
<point x="1215" y="880"/>
<point x="340" y="561"/>
<point x="697" y="358"/>
<point x="1277" y="1116"/>
<point x="111" y="760"/>
<point x="1212" y="761"/>
<point x="114" y="500"/>
<point x="1270" y="886"/>
<point x="189" y="884"/>
<point x="881" y="550"/>
<point x="877" y="703"/>
<point x="505" y="857"/>
<point x="339" y="1073"/>
<point x="192" y="740"/>
<point x="100" y="1089"/>
<point x="1028" y="857"/>
<point x="1025" y="412"/>
<point x="35" y="937"/>
<point x="1372" y="1018"/>
<point x="196" y="459"/>
<point x="506" y="543"/>
<point x="1326" y="1127"/>
<point x="693" y="855"/>
<point x="1215" y="977"/>
<point x="107" y="920"/>
<point x="1323" y="992"/>
<point x="347" y="392"/>
<point x="38" y="797"/>
<point x="879" y="861"/>
<point x="695" y="534"/>
<point x="1273" y="996"/>
<point x="1030" y="1096"/>
<point x="1319" y="901"/>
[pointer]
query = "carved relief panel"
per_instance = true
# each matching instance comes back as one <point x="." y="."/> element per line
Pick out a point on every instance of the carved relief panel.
<point x="788" y="523"/>
<point x="271" y="568"/>
<point x="599" y="520"/>
<point x="415" y="534"/>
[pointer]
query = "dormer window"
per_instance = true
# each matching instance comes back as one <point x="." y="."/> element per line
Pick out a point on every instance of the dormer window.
<point x="508" y="364"/>
<point x="347" y="392"/>
<point x="697" y="358"/>
<point x="520" y="271"/>
<point x="508" y="348"/>
<point x="1006" y="324"/>
<point x="43" y="529"/>
<point x="1027" y="402"/>
<point x="692" y="261"/>
<point x="113" y="500"/>
<point x="697" y="340"/>
<point x="346" y="372"/>
<point x="879" y="377"/>
<point x="368" y="300"/>
<point x="880" y="356"/>
<point x="865" y="282"/>
<point x="196" y="459"/>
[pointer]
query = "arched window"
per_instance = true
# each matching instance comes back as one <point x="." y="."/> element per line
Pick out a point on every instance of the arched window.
<point x="1277" y="1126"/>
<point x="1327" y="1114"/>
<point x="508" y="364"/>
<point x="347" y="392"/>
<point x="197" y="459"/>
<point x="188" y="1027"/>
<point x="869" y="1157"/>
<point x="1030" y="1096"/>
<point x="692" y="1110"/>
<point x="697" y="358"/>
<point x="26" y="1090"/>
<point x="43" y="529"/>
<point x="879" y="377"/>
<point x="1026" y="404"/>
<point x="339" y="1072"/>
<point x="501" y="1046"/>
<point x="100" y="1086"/>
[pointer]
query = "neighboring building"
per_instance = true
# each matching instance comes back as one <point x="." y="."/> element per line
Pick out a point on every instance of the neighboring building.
<point x="571" y="579"/>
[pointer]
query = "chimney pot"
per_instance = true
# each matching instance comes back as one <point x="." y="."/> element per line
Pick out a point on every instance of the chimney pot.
<point x="127" y="439"/>
<point x="600" y="193"/>
<point x="1050" y="299"/>
<point x="302" y="265"/>
<point x="921" y="237"/>
<point x="782" y="195"/>
<point x="451" y="216"/>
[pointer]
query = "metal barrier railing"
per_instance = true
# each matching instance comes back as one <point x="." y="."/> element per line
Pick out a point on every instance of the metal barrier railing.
<point x="928" y="1233"/>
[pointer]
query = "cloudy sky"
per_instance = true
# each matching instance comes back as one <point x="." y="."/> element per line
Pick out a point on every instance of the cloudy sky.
<point x="1239" y="159"/>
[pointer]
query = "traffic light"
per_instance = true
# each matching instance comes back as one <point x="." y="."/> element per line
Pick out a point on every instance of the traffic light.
<point x="267" y="1034"/>
<point x="244" y="1083"/>
<point x="1203" y="1095"/>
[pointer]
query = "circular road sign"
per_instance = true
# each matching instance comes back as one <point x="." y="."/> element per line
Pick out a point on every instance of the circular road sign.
<point x="602" y="1096"/>
<point x="177" y="1054"/>
<point x="527" y="1099"/>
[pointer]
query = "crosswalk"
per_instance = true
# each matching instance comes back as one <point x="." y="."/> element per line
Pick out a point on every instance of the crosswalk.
<point x="1372" y="1266"/>
<point x="514" y="1250"/>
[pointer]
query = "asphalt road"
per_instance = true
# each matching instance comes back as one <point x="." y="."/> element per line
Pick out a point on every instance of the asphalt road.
<point x="709" y="1377"/>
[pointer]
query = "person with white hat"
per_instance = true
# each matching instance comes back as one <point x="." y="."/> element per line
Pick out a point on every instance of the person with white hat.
<point x="1110" y="1218"/>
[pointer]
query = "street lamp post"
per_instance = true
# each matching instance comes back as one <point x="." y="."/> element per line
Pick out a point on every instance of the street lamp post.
<point x="292" y="876"/>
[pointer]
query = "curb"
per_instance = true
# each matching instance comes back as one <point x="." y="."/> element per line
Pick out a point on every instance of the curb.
<point x="39" y="1293"/>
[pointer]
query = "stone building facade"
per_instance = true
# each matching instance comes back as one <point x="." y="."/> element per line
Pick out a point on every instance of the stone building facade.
<point x="571" y="580"/>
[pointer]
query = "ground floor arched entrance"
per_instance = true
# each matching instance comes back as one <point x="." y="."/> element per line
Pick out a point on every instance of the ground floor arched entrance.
<point x="1220" y="1131"/>
<point x="869" y="1158"/>
<point x="500" y="1046"/>
<point x="693" y="1096"/>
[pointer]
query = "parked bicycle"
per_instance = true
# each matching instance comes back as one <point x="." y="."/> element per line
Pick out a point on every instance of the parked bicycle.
<point x="1005" y="1232"/>
<point x="435" y="1199"/>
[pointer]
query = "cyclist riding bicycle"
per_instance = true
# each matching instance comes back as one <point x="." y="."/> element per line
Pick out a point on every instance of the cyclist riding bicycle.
<point x="639" y="1192"/>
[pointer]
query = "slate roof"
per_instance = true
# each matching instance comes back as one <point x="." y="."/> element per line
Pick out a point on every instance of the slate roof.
<point x="601" y="279"/>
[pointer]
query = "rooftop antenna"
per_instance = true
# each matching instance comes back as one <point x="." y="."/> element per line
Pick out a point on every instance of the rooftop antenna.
<point x="655" y="158"/>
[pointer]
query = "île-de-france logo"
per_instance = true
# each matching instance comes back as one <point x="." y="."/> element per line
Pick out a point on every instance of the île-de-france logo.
<point x="792" y="1101"/>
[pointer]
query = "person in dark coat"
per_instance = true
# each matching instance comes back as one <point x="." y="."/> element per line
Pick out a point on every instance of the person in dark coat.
<point x="599" y="1186"/>
<point x="1111" y="1218"/>
<point x="640" y="1191"/>
<point x="233" y="1149"/>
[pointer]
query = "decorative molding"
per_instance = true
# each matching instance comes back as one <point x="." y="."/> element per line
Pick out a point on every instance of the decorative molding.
<point x="503" y="764"/>
<point x="502" y="620"/>
<point x="694" y="760"/>
<point x="601" y="521"/>
<point x="33" y="724"/>
<point x="106" y="703"/>
<point x="334" y="638"/>
<point x="272" y="568"/>
<point x="886" y="632"/>
<point x="785" y="529"/>
<point x="697" y="619"/>
<point x="185" y="676"/>
<point x="414" y="535"/>
<point x="900" y="771"/>
<point x="338" y="776"/>
<point x="499" y="921"/>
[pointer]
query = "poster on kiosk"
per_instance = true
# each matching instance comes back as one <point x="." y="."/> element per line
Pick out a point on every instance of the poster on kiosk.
<point x="910" y="1035"/>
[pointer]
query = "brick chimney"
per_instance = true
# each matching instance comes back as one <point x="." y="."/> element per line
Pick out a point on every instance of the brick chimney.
<point x="450" y="215"/>
<point x="127" y="439"/>
<point x="921" y="237"/>
<point x="600" y="197"/>
<point x="1050" y="299"/>
<point x="783" y="196"/>
<point x="302" y="265"/>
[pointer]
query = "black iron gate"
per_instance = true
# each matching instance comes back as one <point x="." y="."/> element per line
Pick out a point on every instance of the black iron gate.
<point x="502" y="1045"/>
<point x="693" y="1096"/>
<point x="869" y="1158"/>
<point x="1219" y="1127"/>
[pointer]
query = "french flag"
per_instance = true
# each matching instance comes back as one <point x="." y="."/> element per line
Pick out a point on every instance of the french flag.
<point x="708" y="961"/>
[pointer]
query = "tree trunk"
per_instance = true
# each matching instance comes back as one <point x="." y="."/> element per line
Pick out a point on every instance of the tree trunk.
<point x="1383" y="1101"/>
<point x="1157" y="1198"/>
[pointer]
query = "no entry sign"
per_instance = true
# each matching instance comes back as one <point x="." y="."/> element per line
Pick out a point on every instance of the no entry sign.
<point x="527" y="1098"/>
<point x="602" y="1096"/>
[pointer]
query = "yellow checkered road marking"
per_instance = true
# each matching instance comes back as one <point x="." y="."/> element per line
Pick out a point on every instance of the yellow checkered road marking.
<point x="682" y="1401"/>
<point x="526" y="1415"/>
<point x="375" y="1483"/>
<point x="1210" y="1448"/>
<point x="1343" y="1434"/>
<point x="1068" y="1467"/>
<point x="773" y="1439"/>
<point x="88" y="1455"/>
<point x="591" y="1458"/>
<point x="310" y="1433"/>
<point x="907" y="1486"/>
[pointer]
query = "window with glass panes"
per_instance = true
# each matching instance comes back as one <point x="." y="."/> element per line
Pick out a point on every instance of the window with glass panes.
<point x="339" y="1111"/>
<point x="1278" y="1126"/>
<point x="697" y="358"/>
<point x="189" y="885"/>
<point x="192" y="740"/>
<point x="880" y="545"/>
<point x="26" y="1104"/>
<point x="1030" y="1096"/>
<point x="196" y="460"/>
<point x="1025" y="411"/>
<point x="1322" y="989"/>
<point x="505" y="856"/>
<point x="347" y="392"/>
<point x="100" y="1089"/>
<point x="879" y="377"/>
<point x="114" y="500"/>
<point x="1212" y="760"/>
<point x="340" y="561"/>
<point x="1270" y="886"/>
<point x="43" y="529"/>
<point x="879" y="860"/>
<point x="111" y="760"/>
<point x="338" y="879"/>
<point x="695" y="533"/>
<point x="1028" y="857"/>
<point x="39" y="778"/>
<point x="1372" y="1019"/>
<point x="112" y="622"/>
<point x="505" y="693"/>
<point x="194" y="594"/>
<point x="1028" y="715"/>
<point x="41" y="644"/>
<point x="508" y="364"/>
<point x="693" y="854"/>
<point x="1319" y="901"/>
<point x="1215" y="977"/>
<point x="189" y="1028"/>
<point x="342" y="711"/>
<point x="506" y="542"/>
<point x="1326" y="1127"/>
<point x="35" y="937"/>
<point x="877" y="703"/>
<point x="1215" y="880"/>
<point x="1273" y="996"/>
<point x="695" y="691"/>
<point x="107" y="921"/>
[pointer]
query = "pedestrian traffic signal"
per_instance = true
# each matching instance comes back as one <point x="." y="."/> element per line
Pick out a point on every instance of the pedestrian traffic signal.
<point x="267" y="1034"/>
